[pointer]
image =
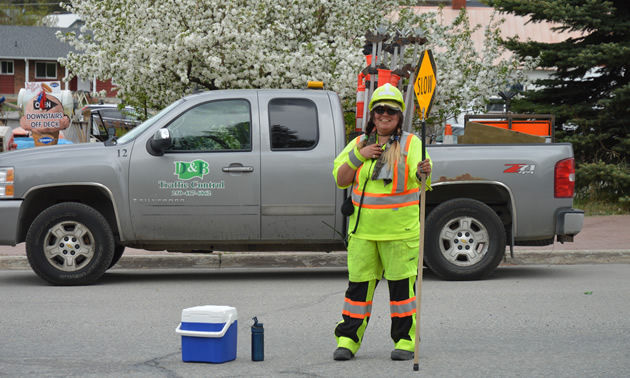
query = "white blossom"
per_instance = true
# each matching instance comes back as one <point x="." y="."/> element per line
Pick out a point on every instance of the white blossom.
<point x="158" y="51"/>
<point x="466" y="78"/>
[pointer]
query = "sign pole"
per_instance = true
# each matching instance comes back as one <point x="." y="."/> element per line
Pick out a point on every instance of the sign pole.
<point x="423" y="181"/>
<point x="424" y="87"/>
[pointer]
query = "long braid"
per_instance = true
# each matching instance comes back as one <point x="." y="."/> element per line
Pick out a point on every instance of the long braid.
<point x="368" y="131"/>
<point x="392" y="154"/>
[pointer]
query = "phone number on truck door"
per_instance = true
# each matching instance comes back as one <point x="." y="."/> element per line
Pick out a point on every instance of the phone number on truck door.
<point x="191" y="193"/>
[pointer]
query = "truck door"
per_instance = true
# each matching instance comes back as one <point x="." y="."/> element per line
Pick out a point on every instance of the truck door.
<point x="206" y="186"/>
<point x="297" y="153"/>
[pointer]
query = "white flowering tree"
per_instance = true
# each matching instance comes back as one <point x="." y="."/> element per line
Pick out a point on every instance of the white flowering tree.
<point x="467" y="77"/>
<point x="158" y="51"/>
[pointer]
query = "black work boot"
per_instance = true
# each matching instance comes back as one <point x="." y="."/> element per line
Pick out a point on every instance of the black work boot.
<point x="401" y="355"/>
<point x="342" y="354"/>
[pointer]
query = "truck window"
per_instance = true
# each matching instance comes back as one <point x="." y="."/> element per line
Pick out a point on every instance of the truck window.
<point x="223" y="125"/>
<point x="293" y="123"/>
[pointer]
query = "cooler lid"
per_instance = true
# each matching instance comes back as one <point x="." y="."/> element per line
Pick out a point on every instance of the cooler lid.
<point x="209" y="314"/>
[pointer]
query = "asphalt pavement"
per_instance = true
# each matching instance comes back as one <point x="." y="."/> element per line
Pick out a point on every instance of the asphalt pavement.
<point x="603" y="240"/>
<point x="560" y="321"/>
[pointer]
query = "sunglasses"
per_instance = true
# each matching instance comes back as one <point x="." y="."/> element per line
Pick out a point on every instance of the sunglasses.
<point x="383" y="109"/>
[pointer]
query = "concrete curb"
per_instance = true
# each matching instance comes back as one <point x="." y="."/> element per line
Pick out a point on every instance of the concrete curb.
<point x="226" y="260"/>
<point x="570" y="257"/>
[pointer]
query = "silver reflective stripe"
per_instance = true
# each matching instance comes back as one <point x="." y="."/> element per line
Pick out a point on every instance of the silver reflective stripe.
<point x="403" y="309"/>
<point x="400" y="181"/>
<point x="354" y="159"/>
<point x="389" y="199"/>
<point x="357" y="309"/>
<point x="356" y="198"/>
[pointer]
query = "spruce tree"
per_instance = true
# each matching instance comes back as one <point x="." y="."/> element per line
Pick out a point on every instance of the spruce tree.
<point x="589" y="93"/>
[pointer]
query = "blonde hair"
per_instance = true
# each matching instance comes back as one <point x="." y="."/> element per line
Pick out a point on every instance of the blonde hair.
<point x="392" y="154"/>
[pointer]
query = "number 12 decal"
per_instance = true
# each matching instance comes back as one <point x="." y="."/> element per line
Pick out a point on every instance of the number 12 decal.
<point x="122" y="153"/>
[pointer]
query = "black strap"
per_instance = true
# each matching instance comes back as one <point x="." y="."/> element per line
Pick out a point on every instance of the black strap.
<point x="361" y="201"/>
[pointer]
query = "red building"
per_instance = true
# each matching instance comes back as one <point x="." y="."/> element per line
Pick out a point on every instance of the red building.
<point x="30" y="53"/>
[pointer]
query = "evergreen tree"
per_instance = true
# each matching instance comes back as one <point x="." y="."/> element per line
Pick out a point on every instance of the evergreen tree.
<point x="590" y="90"/>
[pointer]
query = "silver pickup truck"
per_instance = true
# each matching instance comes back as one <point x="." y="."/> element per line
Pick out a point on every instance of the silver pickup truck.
<point x="250" y="170"/>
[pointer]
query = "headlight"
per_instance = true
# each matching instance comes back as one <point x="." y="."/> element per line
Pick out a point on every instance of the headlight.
<point x="7" y="176"/>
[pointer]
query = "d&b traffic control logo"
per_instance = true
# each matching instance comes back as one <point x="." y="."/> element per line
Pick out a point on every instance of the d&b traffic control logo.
<point x="187" y="170"/>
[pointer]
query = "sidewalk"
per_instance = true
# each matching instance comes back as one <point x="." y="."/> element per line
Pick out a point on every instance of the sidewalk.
<point x="604" y="239"/>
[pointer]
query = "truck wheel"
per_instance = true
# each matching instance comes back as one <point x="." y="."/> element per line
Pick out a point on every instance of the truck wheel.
<point x="118" y="252"/>
<point x="70" y="244"/>
<point x="465" y="240"/>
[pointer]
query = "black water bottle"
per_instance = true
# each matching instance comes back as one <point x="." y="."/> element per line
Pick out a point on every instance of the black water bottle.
<point x="258" y="341"/>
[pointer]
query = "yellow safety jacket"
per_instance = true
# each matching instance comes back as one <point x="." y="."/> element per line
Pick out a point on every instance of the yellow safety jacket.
<point x="389" y="211"/>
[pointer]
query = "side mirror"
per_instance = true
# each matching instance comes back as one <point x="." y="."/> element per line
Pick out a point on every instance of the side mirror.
<point x="160" y="142"/>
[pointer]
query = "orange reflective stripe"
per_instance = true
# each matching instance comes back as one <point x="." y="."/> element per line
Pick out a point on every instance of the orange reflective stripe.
<point x="400" y="182"/>
<point x="402" y="185"/>
<point x="357" y="303"/>
<point x="400" y="303"/>
<point x="357" y="316"/>
<point x="356" y="177"/>
<point x="404" y="314"/>
<point x="395" y="178"/>
<point x="390" y="201"/>
<point x="394" y="206"/>
<point x="368" y="194"/>
<point x="401" y="309"/>
<point x="407" y="146"/>
<point x="356" y="309"/>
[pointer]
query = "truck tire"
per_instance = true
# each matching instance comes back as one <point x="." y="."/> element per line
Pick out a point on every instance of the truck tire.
<point x="118" y="252"/>
<point x="70" y="244"/>
<point x="465" y="240"/>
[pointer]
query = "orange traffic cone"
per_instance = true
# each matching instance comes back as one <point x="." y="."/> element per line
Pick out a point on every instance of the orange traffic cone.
<point x="448" y="134"/>
<point x="394" y="79"/>
<point x="360" y="103"/>
<point x="383" y="76"/>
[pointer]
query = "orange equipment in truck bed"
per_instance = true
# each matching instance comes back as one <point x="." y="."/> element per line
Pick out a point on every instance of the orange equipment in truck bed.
<point x="533" y="124"/>
<point x="541" y="128"/>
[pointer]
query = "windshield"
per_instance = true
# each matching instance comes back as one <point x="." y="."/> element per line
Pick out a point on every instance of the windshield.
<point x="133" y="133"/>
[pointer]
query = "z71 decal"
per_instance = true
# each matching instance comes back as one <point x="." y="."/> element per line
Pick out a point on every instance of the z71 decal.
<point x="524" y="169"/>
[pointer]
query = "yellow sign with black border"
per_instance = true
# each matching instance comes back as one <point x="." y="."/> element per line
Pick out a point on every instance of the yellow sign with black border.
<point x="425" y="84"/>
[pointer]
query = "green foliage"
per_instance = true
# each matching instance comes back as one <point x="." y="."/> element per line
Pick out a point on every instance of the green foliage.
<point x="349" y="118"/>
<point x="603" y="182"/>
<point x="233" y="137"/>
<point x="596" y="207"/>
<point x="589" y="89"/>
<point x="27" y="13"/>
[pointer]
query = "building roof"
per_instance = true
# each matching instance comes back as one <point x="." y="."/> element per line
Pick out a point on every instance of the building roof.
<point x="63" y="20"/>
<point x="32" y="42"/>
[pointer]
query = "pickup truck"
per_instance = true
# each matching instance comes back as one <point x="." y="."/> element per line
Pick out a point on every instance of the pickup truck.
<point x="251" y="170"/>
<point x="6" y="139"/>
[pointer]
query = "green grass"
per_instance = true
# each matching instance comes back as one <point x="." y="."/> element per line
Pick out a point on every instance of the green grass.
<point x="595" y="207"/>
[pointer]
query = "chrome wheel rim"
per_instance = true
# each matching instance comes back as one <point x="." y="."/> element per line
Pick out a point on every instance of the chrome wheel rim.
<point x="464" y="241"/>
<point x="69" y="246"/>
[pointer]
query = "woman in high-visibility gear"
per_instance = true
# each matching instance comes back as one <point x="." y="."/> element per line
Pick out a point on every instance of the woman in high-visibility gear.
<point x="383" y="166"/>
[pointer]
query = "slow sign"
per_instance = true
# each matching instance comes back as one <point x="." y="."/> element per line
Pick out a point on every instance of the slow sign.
<point x="424" y="86"/>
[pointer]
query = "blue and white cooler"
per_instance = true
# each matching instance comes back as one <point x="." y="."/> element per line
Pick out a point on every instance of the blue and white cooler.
<point x="208" y="334"/>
